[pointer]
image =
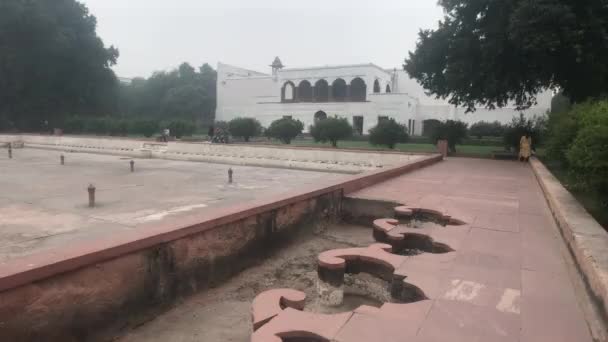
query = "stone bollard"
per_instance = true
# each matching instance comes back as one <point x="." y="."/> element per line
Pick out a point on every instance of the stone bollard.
<point x="62" y="158"/>
<point x="132" y="165"/>
<point x="230" y="175"/>
<point x="10" y="150"/>
<point x="91" y="190"/>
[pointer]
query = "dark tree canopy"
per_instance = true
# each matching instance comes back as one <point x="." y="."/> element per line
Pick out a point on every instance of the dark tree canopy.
<point x="489" y="52"/>
<point x="182" y="93"/>
<point x="52" y="63"/>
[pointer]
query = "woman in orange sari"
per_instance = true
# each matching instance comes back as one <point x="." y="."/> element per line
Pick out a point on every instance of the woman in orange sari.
<point x="525" y="147"/>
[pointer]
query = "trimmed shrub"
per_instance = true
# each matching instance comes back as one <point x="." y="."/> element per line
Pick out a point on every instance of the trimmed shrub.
<point x="452" y="131"/>
<point x="332" y="130"/>
<point x="388" y="133"/>
<point x="486" y="129"/>
<point x="285" y="129"/>
<point x="245" y="128"/>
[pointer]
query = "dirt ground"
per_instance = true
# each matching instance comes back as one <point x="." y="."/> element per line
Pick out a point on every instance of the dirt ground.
<point x="223" y="313"/>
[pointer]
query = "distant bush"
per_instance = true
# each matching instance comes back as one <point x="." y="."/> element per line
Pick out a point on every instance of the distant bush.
<point x="74" y="125"/>
<point x="245" y="128"/>
<point x="452" y="131"/>
<point x="285" y="129"/>
<point x="181" y="128"/>
<point x="521" y="126"/>
<point x="117" y="127"/>
<point x="97" y="126"/>
<point x="332" y="130"/>
<point x="388" y="133"/>
<point x="147" y="128"/>
<point x="6" y="125"/>
<point x="486" y="129"/>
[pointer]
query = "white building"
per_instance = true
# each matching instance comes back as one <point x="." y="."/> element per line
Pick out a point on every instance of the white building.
<point x="363" y="93"/>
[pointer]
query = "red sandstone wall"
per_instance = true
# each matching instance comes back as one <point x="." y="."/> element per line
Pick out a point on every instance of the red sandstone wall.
<point x="118" y="293"/>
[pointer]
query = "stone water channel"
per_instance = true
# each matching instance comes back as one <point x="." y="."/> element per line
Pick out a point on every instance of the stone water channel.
<point x="224" y="313"/>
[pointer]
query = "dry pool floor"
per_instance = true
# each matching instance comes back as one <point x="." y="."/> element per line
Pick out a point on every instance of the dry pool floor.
<point x="44" y="205"/>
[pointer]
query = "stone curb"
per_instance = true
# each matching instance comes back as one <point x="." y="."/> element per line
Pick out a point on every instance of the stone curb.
<point x="585" y="237"/>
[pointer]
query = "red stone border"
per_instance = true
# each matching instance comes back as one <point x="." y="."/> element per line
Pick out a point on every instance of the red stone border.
<point x="347" y="326"/>
<point x="46" y="264"/>
<point x="585" y="237"/>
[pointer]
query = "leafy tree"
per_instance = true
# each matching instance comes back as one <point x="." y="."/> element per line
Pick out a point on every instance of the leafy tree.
<point x="489" y="52"/>
<point x="285" y="129"/>
<point x="452" y="131"/>
<point x="52" y="63"/>
<point x="587" y="153"/>
<point x="560" y="103"/>
<point x="486" y="129"/>
<point x="244" y="127"/>
<point x="332" y="130"/>
<point x="182" y="93"/>
<point x="429" y="126"/>
<point x="388" y="133"/>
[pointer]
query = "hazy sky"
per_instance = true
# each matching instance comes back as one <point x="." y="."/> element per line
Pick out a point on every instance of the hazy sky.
<point x="160" y="34"/>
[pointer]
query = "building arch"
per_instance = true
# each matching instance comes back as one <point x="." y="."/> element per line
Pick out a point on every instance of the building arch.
<point x="388" y="88"/>
<point x="304" y="91"/>
<point x="320" y="115"/>
<point x="376" y="86"/>
<point x="288" y="92"/>
<point x="339" y="90"/>
<point x="321" y="91"/>
<point x="358" y="89"/>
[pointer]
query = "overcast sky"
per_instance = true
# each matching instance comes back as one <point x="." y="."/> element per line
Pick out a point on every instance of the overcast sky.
<point x="160" y="34"/>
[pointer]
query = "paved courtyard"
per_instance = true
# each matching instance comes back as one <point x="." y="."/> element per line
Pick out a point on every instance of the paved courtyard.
<point x="44" y="205"/>
<point x="512" y="279"/>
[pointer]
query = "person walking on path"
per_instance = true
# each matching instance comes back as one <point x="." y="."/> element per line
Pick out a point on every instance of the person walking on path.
<point x="525" y="147"/>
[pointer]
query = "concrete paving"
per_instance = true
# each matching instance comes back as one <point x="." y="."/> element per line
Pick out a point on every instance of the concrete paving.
<point x="44" y="205"/>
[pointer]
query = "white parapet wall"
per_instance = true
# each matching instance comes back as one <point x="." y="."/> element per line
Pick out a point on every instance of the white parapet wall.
<point x="345" y="161"/>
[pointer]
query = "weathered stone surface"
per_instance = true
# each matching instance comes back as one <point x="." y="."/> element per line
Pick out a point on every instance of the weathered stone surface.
<point x="269" y="304"/>
<point x="587" y="240"/>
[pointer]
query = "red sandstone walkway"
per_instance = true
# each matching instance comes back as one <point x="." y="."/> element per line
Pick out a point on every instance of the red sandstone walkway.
<point x="510" y="281"/>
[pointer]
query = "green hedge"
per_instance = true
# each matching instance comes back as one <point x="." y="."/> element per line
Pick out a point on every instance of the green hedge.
<point x="124" y="127"/>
